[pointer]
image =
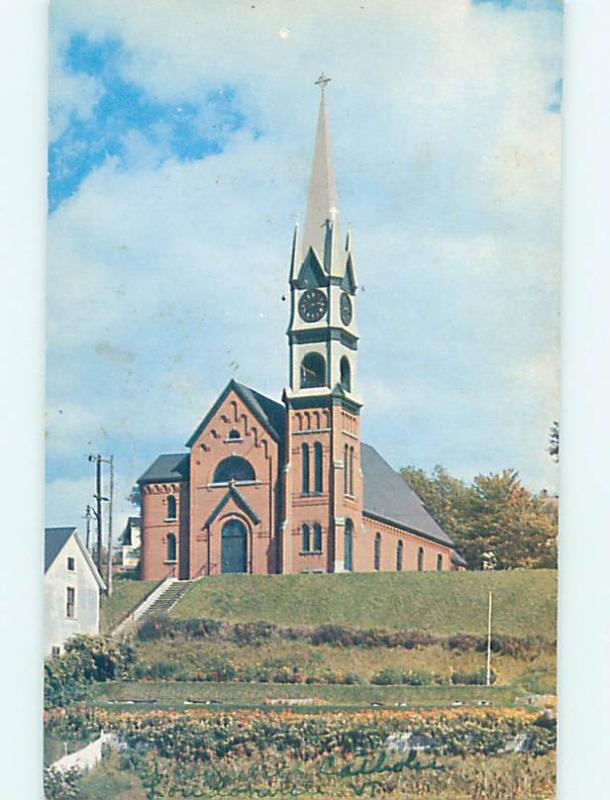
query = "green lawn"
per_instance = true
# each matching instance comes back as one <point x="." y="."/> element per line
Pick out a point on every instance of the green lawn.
<point x="127" y="594"/>
<point x="524" y="601"/>
<point x="256" y="694"/>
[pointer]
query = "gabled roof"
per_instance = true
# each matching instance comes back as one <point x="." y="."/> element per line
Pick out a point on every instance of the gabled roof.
<point x="239" y="501"/>
<point x="269" y="413"/>
<point x="55" y="540"/>
<point x="125" y="537"/>
<point x="388" y="497"/>
<point x="170" y="467"/>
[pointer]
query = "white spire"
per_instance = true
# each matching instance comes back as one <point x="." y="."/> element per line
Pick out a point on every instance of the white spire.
<point x="322" y="217"/>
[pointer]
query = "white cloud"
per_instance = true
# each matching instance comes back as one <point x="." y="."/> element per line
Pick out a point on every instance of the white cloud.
<point x="166" y="279"/>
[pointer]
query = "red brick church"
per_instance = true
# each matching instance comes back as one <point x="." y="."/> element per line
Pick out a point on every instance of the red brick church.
<point x="271" y="487"/>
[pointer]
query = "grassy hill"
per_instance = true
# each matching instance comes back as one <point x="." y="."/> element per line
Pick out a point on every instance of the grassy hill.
<point x="524" y="601"/>
<point x="127" y="595"/>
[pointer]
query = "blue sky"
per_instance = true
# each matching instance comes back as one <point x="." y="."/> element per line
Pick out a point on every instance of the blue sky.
<point x="180" y="141"/>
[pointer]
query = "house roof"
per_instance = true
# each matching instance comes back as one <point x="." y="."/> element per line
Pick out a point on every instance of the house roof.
<point x="389" y="497"/>
<point x="125" y="537"/>
<point x="168" y="467"/>
<point x="55" y="540"/>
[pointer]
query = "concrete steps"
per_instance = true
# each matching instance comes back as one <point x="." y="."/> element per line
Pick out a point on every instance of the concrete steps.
<point x="158" y="603"/>
<point x="167" y="600"/>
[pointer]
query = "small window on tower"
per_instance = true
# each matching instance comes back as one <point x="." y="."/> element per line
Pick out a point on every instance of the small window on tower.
<point x="234" y="434"/>
<point x="346" y="375"/>
<point x="313" y="371"/>
<point x="71" y="564"/>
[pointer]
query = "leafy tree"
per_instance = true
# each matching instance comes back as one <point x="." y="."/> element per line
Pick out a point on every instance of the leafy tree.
<point x="495" y="520"/>
<point x="554" y="441"/>
<point x="135" y="496"/>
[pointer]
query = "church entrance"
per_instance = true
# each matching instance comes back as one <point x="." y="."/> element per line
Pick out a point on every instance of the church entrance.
<point x="234" y="547"/>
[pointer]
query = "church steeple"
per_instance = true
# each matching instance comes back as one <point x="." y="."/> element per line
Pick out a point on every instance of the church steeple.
<point x="321" y="230"/>
<point x="322" y="330"/>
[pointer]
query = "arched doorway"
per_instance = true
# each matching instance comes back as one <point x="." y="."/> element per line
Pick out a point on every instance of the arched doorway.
<point x="234" y="547"/>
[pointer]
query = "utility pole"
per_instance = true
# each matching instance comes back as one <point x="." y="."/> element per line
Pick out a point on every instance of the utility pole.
<point x="88" y="528"/>
<point x="111" y="496"/>
<point x="489" y="641"/>
<point x="98" y="512"/>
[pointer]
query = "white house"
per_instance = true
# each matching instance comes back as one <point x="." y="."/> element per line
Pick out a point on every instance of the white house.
<point x="131" y="542"/>
<point x="72" y="588"/>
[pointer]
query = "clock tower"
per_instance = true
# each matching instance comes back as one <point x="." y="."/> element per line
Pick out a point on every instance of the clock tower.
<point x="323" y="485"/>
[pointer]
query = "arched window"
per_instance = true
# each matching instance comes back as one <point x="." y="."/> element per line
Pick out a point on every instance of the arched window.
<point x="439" y="563"/>
<point x="171" y="547"/>
<point x="346" y="470"/>
<point x="420" y="559"/>
<point x="318" y="460"/>
<point x="351" y="471"/>
<point x="234" y="468"/>
<point x="399" y="555"/>
<point x="348" y="546"/>
<point x="171" y="507"/>
<point x="317" y="537"/>
<point x="377" y="563"/>
<point x="306" y="540"/>
<point x="305" y="468"/>
<point x="234" y="434"/>
<point x="346" y="374"/>
<point x="313" y="371"/>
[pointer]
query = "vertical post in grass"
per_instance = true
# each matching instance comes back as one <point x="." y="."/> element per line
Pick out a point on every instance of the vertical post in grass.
<point x="489" y="641"/>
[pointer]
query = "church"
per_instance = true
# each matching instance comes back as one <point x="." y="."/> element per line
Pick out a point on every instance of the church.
<point x="276" y="487"/>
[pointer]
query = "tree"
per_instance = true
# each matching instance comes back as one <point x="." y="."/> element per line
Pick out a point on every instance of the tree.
<point x="554" y="441"/>
<point x="135" y="496"/>
<point x="495" y="515"/>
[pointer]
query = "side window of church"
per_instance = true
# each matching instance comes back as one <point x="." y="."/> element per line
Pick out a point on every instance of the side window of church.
<point x="317" y="538"/>
<point x="171" y="547"/>
<point x="377" y="563"/>
<point x="420" y="559"/>
<point x="171" y="507"/>
<point x="306" y="541"/>
<point x="234" y="468"/>
<point x="399" y="555"/>
<point x="439" y="563"/>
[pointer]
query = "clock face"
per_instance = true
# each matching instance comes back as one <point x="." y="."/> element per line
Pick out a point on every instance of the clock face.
<point x="312" y="305"/>
<point x="346" y="309"/>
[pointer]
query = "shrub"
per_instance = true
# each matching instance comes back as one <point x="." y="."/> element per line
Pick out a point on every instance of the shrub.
<point x="478" y="678"/>
<point x="87" y="659"/>
<point x="61" y="785"/>
<point x="387" y="677"/>
<point x="252" y="632"/>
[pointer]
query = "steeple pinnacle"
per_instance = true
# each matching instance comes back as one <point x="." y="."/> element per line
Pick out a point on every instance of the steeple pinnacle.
<point x="321" y="220"/>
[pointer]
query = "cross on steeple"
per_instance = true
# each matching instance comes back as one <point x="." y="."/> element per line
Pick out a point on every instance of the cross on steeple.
<point x="321" y="82"/>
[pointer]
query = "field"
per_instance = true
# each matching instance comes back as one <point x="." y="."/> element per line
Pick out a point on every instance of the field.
<point x="127" y="594"/>
<point x="444" y="603"/>
<point x="289" y="686"/>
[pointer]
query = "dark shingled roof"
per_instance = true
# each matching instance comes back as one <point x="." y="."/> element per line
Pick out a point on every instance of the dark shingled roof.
<point x="273" y="413"/>
<point x="456" y="558"/>
<point x="168" y="467"/>
<point x="388" y="496"/>
<point x="54" y="540"/>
